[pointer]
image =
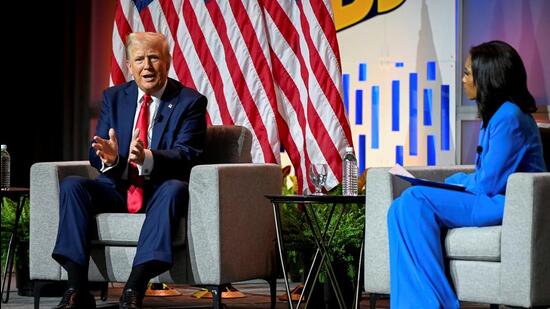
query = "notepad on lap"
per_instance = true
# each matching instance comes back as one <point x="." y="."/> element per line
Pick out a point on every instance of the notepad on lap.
<point x="402" y="173"/>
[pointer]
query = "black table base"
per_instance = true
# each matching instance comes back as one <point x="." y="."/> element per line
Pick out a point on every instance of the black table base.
<point x="19" y="195"/>
<point x="322" y="236"/>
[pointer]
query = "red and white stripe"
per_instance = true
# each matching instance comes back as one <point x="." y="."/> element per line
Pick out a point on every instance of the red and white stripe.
<point x="271" y="66"/>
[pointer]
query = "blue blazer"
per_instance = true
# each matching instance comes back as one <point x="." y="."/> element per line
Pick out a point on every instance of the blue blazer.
<point x="509" y="143"/>
<point x="179" y="130"/>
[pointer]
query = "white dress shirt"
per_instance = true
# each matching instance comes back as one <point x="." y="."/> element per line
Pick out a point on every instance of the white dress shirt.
<point x="146" y="168"/>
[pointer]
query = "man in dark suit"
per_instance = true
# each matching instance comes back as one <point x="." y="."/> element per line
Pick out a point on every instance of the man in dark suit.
<point x="148" y="137"/>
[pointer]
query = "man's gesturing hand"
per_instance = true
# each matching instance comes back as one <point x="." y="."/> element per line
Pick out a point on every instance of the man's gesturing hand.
<point x="137" y="149"/>
<point x="106" y="150"/>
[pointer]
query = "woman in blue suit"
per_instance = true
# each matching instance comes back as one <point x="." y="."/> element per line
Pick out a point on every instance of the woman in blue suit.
<point x="509" y="141"/>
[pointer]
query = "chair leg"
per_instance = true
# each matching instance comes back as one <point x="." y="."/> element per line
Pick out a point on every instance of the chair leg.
<point x="104" y="291"/>
<point x="37" y="290"/>
<point x="216" y="296"/>
<point x="372" y="300"/>
<point x="273" y="291"/>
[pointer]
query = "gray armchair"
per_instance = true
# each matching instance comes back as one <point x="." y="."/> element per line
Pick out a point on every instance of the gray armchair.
<point x="505" y="264"/>
<point x="212" y="242"/>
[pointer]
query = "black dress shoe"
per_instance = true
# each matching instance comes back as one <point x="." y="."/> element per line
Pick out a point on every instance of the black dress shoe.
<point x="76" y="299"/>
<point x="130" y="298"/>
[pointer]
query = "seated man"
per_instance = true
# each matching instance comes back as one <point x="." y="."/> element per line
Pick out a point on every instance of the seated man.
<point x="149" y="135"/>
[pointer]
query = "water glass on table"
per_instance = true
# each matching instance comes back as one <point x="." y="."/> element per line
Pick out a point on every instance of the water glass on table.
<point x="318" y="175"/>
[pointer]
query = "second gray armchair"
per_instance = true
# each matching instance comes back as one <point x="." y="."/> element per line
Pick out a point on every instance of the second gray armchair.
<point x="505" y="264"/>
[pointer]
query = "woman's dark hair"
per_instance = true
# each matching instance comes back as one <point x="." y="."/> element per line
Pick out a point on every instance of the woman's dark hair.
<point x="499" y="76"/>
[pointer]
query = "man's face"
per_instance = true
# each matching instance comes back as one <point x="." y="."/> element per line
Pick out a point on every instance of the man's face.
<point x="468" y="80"/>
<point x="149" y="65"/>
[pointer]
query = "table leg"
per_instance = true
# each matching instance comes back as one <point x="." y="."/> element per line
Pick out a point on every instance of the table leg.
<point x="315" y="266"/>
<point x="356" y="299"/>
<point x="328" y="262"/>
<point x="319" y="237"/>
<point x="6" y="280"/>
<point x="278" y="229"/>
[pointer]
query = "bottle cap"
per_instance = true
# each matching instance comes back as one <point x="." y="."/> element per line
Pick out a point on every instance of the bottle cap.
<point x="4" y="147"/>
<point x="349" y="149"/>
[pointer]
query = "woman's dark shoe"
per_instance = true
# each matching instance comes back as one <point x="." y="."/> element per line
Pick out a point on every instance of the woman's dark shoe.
<point x="130" y="298"/>
<point x="76" y="299"/>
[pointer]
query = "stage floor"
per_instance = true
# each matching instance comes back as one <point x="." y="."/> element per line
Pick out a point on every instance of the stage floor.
<point x="256" y="291"/>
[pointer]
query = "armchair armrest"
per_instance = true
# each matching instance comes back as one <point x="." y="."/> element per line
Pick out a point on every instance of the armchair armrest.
<point x="381" y="189"/>
<point x="379" y="195"/>
<point x="44" y="213"/>
<point x="230" y="222"/>
<point x="525" y="240"/>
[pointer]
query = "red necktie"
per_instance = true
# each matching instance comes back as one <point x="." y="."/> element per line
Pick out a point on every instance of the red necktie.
<point x="135" y="190"/>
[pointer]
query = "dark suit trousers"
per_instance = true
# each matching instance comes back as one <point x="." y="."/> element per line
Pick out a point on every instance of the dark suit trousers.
<point x="81" y="199"/>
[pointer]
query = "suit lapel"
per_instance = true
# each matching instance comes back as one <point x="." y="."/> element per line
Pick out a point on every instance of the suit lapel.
<point x="167" y="105"/>
<point x="127" y="111"/>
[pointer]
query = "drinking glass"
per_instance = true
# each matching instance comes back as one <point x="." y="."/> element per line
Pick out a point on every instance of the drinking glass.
<point x="318" y="175"/>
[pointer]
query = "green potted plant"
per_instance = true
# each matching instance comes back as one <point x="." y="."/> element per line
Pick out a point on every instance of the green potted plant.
<point x="345" y="245"/>
<point x="21" y="260"/>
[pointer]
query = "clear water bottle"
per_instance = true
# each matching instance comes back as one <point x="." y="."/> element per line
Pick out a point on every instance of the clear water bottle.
<point x="349" y="173"/>
<point x="5" y="167"/>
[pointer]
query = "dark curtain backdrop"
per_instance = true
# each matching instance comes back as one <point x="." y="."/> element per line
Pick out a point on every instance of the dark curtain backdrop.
<point x="76" y="79"/>
<point x="45" y="106"/>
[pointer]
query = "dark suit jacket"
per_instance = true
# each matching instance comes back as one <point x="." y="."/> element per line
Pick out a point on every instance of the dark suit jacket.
<point x="179" y="130"/>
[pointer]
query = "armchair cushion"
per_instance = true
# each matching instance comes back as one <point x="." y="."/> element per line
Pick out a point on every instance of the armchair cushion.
<point x="121" y="228"/>
<point x="473" y="243"/>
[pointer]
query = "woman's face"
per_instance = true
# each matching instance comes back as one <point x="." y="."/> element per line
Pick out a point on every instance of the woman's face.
<point x="468" y="80"/>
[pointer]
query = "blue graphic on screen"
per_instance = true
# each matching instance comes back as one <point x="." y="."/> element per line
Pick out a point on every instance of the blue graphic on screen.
<point x="416" y="128"/>
<point x="427" y="107"/>
<point x="375" y="113"/>
<point x="399" y="154"/>
<point x="413" y="114"/>
<point x="362" y="72"/>
<point x="395" y="105"/>
<point x="430" y="70"/>
<point x="362" y="153"/>
<point x="359" y="106"/>
<point x="445" y="120"/>
<point x="345" y="90"/>
<point x="431" y="150"/>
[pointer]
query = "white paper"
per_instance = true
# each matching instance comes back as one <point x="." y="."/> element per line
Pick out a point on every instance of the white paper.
<point x="399" y="170"/>
<point x="402" y="173"/>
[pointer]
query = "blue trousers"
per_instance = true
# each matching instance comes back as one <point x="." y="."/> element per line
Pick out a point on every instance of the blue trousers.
<point x="415" y="223"/>
<point x="82" y="198"/>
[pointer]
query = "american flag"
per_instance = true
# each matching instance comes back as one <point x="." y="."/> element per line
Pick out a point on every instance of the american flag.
<point x="272" y="66"/>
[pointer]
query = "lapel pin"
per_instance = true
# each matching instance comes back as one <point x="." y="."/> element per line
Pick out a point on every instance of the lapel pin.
<point x="169" y="105"/>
